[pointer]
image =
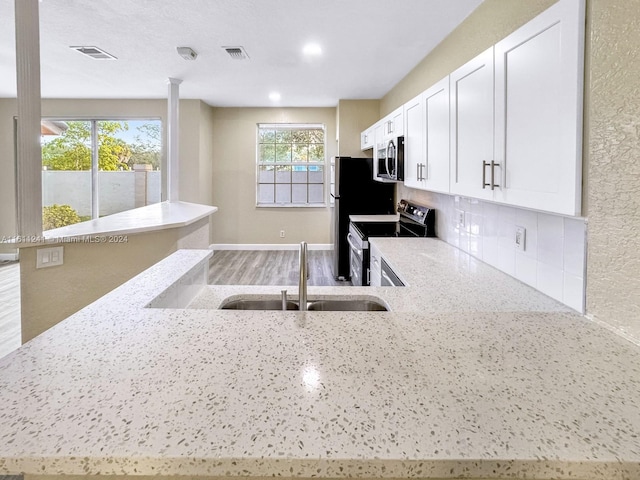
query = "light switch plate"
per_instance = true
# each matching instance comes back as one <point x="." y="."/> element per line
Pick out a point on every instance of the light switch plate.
<point x="49" y="257"/>
<point x="520" y="238"/>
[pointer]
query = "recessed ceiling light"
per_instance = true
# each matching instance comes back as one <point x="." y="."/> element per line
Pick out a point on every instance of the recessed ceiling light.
<point x="274" y="96"/>
<point x="312" y="49"/>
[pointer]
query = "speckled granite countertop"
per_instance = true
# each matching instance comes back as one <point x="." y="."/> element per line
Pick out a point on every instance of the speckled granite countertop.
<point x="472" y="375"/>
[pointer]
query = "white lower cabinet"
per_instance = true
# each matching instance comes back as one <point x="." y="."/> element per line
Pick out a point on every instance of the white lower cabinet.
<point x="375" y="267"/>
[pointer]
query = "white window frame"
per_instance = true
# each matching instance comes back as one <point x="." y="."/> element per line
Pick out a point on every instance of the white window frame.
<point x="93" y="120"/>
<point x="323" y="164"/>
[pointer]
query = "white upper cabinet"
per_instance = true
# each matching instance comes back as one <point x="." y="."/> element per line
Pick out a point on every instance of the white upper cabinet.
<point x="426" y="139"/>
<point x="367" y="139"/>
<point x="435" y="173"/>
<point x="538" y="111"/>
<point x="378" y="143"/>
<point x="393" y="124"/>
<point x="414" y="155"/>
<point x="471" y="128"/>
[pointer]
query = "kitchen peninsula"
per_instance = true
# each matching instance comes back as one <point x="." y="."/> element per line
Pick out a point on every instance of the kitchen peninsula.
<point x="101" y="254"/>
<point x="471" y="374"/>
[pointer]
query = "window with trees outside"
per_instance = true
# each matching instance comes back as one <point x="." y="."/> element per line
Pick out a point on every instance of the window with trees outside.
<point x="291" y="165"/>
<point x="93" y="168"/>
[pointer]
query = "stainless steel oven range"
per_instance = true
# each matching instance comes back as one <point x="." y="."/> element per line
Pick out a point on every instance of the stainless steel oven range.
<point x="414" y="221"/>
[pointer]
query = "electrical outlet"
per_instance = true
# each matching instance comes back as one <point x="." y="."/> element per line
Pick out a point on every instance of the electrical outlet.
<point x="281" y="233"/>
<point x="49" y="257"/>
<point x="521" y="238"/>
<point x="460" y="217"/>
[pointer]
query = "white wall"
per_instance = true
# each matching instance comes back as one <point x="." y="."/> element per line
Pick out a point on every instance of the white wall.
<point x="116" y="190"/>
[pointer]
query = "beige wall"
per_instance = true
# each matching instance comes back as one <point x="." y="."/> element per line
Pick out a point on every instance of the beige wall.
<point x="613" y="156"/>
<point x="90" y="270"/>
<point x="238" y="220"/>
<point x="353" y="117"/>
<point x="194" y="143"/>
<point x="489" y="23"/>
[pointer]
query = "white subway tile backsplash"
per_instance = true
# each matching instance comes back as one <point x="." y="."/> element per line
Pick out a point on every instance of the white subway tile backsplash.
<point x="526" y="269"/>
<point x="550" y="280"/>
<point x="507" y="214"/>
<point x="574" y="247"/>
<point x="507" y="260"/>
<point x="529" y="220"/>
<point x="550" y="240"/>
<point x="490" y="250"/>
<point x="573" y="292"/>
<point x="554" y="259"/>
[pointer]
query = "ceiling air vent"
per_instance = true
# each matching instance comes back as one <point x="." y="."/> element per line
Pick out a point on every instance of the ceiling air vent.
<point x="237" y="53"/>
<point x="94" y="52"/>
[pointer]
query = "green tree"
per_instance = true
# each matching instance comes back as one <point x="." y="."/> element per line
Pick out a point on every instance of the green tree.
<point x="146" y="148"/>
<point x="72" y="149"/>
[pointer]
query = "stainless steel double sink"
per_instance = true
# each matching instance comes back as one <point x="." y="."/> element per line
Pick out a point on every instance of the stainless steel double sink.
<point x="325" y="305"/>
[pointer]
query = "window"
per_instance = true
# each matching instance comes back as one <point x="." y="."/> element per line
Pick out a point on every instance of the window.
<point x="291" y="165"/>
<point x="93" y="168"/>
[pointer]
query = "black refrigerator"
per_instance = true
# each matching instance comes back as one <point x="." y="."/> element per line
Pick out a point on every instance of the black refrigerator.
<point x="355" y="193"/>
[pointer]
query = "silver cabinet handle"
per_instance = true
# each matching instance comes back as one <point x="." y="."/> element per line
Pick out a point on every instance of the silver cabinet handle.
<point x="421" y="174"/>
<point x="493" y="166"/>
<point x="493" y="173"/>
<point x="484" y="174"/>
<point x="351" y="244"/>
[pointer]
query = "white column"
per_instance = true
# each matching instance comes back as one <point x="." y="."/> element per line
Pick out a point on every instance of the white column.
<point x="95" y="160"/>
<point x="173" y="127"/>
<point x="29" y="168"/>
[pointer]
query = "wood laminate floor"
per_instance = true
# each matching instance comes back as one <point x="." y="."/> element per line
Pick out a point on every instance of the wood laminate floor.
<point x="10" y="337"/>
<point x="270" y="267"/>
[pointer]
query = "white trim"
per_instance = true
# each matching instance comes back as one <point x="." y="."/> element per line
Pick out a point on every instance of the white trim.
<point x="8" y="257"/>
<point x="268" y="246"/>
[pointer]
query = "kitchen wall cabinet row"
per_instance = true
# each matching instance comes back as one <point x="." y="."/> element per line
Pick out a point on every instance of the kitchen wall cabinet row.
<point x="506" y="126"/>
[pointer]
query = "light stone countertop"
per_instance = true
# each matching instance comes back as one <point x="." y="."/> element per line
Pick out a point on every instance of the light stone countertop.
<point x="447" y="384"/>
<point x="158" y="216"/>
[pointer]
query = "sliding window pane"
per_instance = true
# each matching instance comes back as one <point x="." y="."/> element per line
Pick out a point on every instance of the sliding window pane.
<point x="66" y="172"/>
<point x="129" y="153"/>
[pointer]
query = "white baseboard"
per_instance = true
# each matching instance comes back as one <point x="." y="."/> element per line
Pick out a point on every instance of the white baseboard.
<point x="268" y="246"/>
<point x="8" y="257"/>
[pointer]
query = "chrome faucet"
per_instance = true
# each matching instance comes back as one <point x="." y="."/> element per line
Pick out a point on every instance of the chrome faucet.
<point x="302" y="285"/>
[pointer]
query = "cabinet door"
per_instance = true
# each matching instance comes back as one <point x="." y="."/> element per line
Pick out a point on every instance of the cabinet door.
<point x="435" y="172"/>
<point x="397" y="122"/>
<point x="366" y="140"/>
<point x="378" y="142"/>
<point x="414" y="161"/>
<point x="539" y="76"/>
<point x="472" y="126"/>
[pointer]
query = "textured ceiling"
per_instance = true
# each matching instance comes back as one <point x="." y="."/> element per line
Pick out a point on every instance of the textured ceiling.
<point x="368" y="46"/>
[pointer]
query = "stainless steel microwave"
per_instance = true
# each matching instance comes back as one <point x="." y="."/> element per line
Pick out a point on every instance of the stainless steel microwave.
<point x="390" y="158"/>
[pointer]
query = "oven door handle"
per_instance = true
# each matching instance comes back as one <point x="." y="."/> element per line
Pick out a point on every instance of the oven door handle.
<point x="352" y="245"/>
